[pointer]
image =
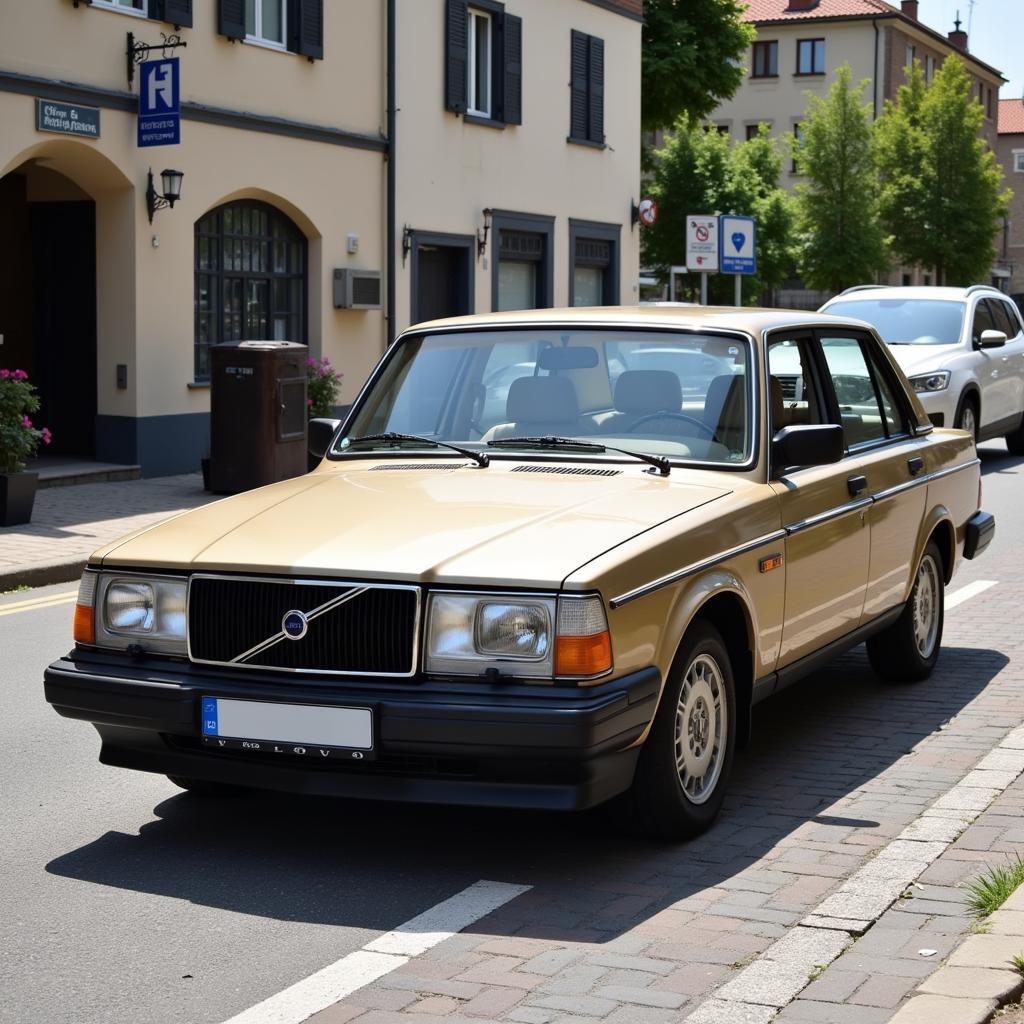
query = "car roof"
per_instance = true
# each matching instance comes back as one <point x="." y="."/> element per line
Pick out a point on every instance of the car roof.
<point x="747" y="319"/>
<point x="914" y="292"/>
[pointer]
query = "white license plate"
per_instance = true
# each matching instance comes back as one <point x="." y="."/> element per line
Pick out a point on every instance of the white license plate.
<point x="297" y="729"/>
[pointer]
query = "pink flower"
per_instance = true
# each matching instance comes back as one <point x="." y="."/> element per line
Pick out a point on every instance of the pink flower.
<point x="26" y="422"/>
<point x="309" y="402"/>
<point x="47" y="436"/>
<point x="20" y="375"/>
<point x="5" y="374"/>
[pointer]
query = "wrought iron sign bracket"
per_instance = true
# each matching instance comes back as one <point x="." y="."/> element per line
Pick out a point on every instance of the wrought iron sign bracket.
<point x="136" y="53"/>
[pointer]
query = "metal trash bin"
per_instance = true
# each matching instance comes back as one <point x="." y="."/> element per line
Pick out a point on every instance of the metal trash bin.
<point x="257" y="413"/>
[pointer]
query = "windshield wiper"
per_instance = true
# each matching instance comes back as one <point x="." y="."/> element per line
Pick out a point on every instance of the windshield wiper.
<point x="482" y="459"/>
<point x="660" y="463"/>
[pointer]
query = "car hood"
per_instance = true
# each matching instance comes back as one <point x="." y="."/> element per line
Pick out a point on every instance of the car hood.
<point x="915" y="359"/>
<point x="432" y="523"/>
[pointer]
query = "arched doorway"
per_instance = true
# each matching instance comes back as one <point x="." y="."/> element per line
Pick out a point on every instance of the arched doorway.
<point x="251" y="278"/>
<point x="48" y="297"/>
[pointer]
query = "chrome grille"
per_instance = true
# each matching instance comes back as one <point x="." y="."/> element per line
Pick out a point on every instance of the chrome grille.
<point x="354" y="627"/>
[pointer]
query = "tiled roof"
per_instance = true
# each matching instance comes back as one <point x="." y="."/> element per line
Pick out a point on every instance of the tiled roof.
<point x="1011" y="117"/>
<point x="779" y="10"/>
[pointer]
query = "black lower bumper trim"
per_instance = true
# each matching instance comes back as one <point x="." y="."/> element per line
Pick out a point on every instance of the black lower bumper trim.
<point x="980" y="530"/>
<point x="479" y="743"/>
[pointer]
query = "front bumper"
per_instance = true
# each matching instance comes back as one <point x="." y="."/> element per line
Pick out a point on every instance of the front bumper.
<point x="457" y="742"/>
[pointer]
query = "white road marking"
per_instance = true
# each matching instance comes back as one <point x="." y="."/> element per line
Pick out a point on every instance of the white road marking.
<point x="967" y="592"/>
<point x="381" y="956"/>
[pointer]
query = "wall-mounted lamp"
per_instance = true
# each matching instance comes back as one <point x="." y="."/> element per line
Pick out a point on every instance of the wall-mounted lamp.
<point x="406" y="243"/>
<point x="170" y="182"/>
<point x="482" y="233"/>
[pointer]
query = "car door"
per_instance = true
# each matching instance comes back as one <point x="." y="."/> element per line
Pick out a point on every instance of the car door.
<point x="891" y="458"/>
<point x="992" y="371"/>
<point x="1011" y="381"/>
<point x="828" y="542"/>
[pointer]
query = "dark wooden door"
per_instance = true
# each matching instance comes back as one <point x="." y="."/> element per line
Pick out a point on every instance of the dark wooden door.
<point x="441" y="286"/>
<point x="64" y="323"/>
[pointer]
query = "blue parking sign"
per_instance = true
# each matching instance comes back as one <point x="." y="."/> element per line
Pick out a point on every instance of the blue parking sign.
<point x="737" y="245"/>
<point x="160" y="103"/>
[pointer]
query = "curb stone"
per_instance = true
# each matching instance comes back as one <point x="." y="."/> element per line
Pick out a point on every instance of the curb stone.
<point x="43" y="574"/>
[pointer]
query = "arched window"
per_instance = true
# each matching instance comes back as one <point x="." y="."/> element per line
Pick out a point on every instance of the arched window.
<point x="250" y="278"/>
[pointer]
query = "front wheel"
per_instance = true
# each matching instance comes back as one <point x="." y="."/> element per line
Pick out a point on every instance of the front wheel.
<point x="967" y="418"/>
<point x="684" y="765"/>
<point x="908" y="649"/>
<point x="1015" y="440"/>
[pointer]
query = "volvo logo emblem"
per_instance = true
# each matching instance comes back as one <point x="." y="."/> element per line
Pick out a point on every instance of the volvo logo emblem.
<point x="294" y="625"/>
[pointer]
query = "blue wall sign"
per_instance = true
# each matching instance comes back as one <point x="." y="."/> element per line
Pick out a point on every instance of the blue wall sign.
<point x="737" y="245"/>
<point x="160" y="102"/>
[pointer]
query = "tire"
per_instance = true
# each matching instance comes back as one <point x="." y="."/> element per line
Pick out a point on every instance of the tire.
<point x="205" y="788"/>
<point x="906" y="652"/>
<point x="967" y="416"/>
<point x="1015" y="440"/>
<point x="668" y="802"/>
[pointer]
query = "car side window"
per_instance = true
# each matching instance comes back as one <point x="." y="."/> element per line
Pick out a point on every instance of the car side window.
<point x="793" y="396"/>
<point x="1014" y="314"/>
<point x="1002" y="317"/>
<point x="891" y="415"/>
<point x="861" y="408"/>
<point x="982" y="322"/>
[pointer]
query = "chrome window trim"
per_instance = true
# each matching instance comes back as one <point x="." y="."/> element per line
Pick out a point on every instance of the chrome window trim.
<point x="361" y="585"/>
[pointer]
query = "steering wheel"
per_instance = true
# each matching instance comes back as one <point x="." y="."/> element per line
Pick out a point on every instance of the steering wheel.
<point x="699" y="424"/>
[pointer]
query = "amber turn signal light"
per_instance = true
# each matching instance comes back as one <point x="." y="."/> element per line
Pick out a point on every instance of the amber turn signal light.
<point x="85" y="622"/>
<point x="583" y="655"/>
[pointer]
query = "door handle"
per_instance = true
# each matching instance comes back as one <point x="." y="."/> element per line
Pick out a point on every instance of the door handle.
<point x="856" y="484"/>
<point x="915" y="465"/>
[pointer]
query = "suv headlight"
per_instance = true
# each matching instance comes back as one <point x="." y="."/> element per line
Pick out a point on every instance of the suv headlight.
<point x="927" y="383"/>
<point x="532" y="637"/>
<point x="127" y="609"/>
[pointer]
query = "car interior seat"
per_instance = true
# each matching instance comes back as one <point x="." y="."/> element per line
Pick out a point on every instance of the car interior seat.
<point x="724" y="411"/>
<point x="643" y="393"/>
<point x="538" y="406"/>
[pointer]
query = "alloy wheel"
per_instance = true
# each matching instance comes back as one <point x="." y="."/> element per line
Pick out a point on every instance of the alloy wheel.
<point x="701" y="728"/>
<point x="926" y="606"/>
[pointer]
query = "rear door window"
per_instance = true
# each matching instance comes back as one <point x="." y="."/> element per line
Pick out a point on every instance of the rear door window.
<point x="867" y="408"/>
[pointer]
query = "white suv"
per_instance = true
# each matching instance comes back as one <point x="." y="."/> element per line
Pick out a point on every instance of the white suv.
<point x="962" y="348"/>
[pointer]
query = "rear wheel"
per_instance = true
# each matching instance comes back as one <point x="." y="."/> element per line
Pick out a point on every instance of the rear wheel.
<point x="203" y="787"/>
<point x="908" y="650"/>
<point x="684" y="765"/>
<point x="1015" y="440"/>
<point x="967" y="417"/>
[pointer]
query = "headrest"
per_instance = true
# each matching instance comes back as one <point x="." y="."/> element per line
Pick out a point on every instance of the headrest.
<point x="642" y="391"/>
<point x="722" y="390"/>
<point x="541" y="399"/>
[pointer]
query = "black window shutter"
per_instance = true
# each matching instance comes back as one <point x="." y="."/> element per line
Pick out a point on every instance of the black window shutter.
<point x="578" y="83"/>
<point x="513" y="68"/>
<point x="456" y="56"/>
<point x="596" y="90"/>
<point x="231" y="18"/>
<point x="306" y="28"/>
<point x="177" y="12"/>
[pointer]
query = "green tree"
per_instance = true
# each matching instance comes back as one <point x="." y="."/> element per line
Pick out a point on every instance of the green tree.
<point x="692" y="57"/>
<point x="941" y="196"/>
<point x="841" y="241"/>
<point x="699" y="172"/>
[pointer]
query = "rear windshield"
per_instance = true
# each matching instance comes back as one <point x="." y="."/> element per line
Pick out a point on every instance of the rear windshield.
<point x="908" y="321"/>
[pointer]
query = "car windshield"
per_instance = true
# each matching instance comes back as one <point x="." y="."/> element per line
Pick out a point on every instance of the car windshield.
<point x="908" y="321"/>
<point x="667" y="393"/>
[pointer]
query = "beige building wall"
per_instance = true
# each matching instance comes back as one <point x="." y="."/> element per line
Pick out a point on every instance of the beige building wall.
<point x="450" y="171"/>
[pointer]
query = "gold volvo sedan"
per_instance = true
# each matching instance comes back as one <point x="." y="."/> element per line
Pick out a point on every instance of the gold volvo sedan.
<point x="551" y="559"/>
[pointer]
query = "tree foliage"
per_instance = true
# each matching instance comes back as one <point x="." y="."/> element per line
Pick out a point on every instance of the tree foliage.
<point x="698" y="171"/>
<point x="692" y="57"/>
<point x="841" y="241"/>
<point x="941" y="188"/>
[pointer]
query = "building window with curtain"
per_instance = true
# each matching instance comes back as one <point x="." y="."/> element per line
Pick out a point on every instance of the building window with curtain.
<point x="250" y="278"/>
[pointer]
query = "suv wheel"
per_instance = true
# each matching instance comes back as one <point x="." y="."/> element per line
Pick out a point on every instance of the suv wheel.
<point x="1015" y="440"/>
<point x="684" y="765"/>
<point x="967" y="417"/>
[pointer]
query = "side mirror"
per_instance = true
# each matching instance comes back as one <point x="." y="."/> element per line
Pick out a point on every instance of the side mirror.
<point x="818" y="444"/>
<point x="321" y="433"/>
<point x="992" y="339"/>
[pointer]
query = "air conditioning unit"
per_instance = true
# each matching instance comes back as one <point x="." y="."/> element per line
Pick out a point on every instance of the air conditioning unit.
<point x="357" y="289"/>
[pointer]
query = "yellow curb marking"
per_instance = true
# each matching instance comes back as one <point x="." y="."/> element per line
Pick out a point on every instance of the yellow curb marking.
<point x="38" y="602"/>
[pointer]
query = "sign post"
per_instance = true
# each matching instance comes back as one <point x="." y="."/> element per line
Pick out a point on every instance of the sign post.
<point x="160" y="103"/>
<point x="702" y="249"/>
<point x="737" y="243"/>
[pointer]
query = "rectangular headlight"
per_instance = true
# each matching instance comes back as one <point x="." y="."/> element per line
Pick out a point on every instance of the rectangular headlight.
<point x="469" y="633"/>
<point x="926" y="383"/>
<point x="148" y="611"/>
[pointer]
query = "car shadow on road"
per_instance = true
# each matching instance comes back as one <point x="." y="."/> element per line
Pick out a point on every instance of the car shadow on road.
<point x="996" y="459"/>
<point x="373" y="865"/>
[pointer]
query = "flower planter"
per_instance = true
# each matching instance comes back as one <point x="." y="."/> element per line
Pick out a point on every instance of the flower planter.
<point x="17" y="495"/>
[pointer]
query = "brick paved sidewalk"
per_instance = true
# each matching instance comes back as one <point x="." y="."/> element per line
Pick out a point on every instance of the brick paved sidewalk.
<point x="69" y="523"/>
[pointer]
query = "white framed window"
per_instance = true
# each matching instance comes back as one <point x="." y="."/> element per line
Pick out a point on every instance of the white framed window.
<point x="480" y="48"/>
<point x="1018" y="161"/>
<point x="929" y="67"/>
<point x="265" y="22"/>
<point x="136" y="7"/>
<point x="908" y="61"/>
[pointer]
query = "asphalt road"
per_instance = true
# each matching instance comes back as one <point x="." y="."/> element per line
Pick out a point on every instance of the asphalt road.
<point x="124" y="900"/>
